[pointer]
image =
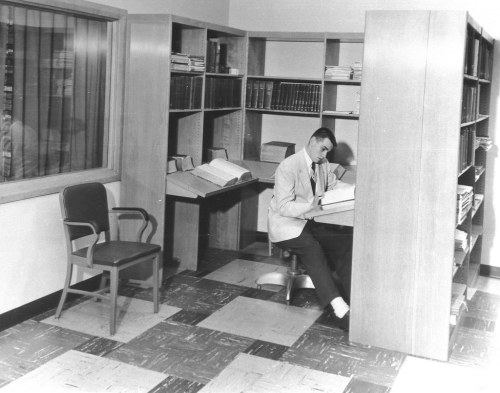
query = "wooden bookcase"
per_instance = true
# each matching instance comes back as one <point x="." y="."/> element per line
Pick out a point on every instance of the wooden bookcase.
<point x="420" y="115"/>
<point x="163" y="119"/>
<point x="298" y="59"/>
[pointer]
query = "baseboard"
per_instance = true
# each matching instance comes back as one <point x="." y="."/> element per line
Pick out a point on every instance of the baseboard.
<point x="46" y="303"/>
<point x="489" y="271"/>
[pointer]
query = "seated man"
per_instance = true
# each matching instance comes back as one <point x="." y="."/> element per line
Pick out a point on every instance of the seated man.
<point x="300" y="181"/>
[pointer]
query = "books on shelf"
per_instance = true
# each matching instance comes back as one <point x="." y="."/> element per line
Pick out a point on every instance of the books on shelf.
<point x="338" y="72"/>
<point x="460" y="240"/>
<point x="183" y="162"/>
<point x="469" y="100"/>
<point x="217" y="56"/>
<point x="341" y="193"/>
<point x="222" y="172"/>
<point x="458" y="300"/>
<point x="467" y="148"/>
<point x="285" y="96"/>
<point x="465" y="196"/>
<point x="187" y="62"/>
<point x="185" y="92"/>
<point x="276" y="151"/>
<point x="484" y="142"/>
<point x="222" y="93"/>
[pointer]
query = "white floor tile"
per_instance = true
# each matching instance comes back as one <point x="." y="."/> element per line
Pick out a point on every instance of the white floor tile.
<point x="248" y="373"/>
<point x="488" y="284"/>
<point x="76" y="371"/>
<point x="262" y="320"/>
<point x="419" y="375"/>
<point x="244" y="273"/>
<point x="133" y="318"/>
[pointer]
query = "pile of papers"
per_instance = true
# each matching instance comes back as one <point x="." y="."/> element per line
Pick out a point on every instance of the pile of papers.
<point x="465" y="197"/>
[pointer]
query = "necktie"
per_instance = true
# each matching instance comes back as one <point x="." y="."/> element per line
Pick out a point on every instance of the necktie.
<point x="313" y="178"/>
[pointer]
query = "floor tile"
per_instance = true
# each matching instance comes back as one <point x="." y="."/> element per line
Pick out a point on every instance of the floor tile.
<point x="328" y="349"/>
<point x="243" y="272"/>
<point x="254" y="374"/>
<point x="98" y="346"/>
<point x="177" y="385"/>
<point x="78" y="371"/>
<point x="488" y="284"/>
<point x="429" y="376"/>
<point x="203" y="296"/>
<point x="184" y="351"/>
<point x="134" y="316"/>
<point x="30" y="344"/>
<point x="266" y="350"/>
<point x="262" y="320"/>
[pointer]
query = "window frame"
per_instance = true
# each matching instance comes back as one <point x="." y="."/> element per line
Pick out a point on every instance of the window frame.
<point x="114" y="112"/>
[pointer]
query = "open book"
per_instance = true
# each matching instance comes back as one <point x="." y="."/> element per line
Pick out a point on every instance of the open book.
<point x="222" y="172"/>
<point x="342" y="192"/>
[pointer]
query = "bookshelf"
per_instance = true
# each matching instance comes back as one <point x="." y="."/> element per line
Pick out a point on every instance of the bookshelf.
<point x="296" y="97"/>
<point x="178" y="70"/>
<point x="425" y="100"/>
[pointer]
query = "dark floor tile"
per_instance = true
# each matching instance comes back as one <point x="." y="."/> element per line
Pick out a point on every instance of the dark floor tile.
<point x="260" y="294"/>
<point x="177" y="385"/>
<point x="188" y="317"/>
<point x="30" y="344"/>
<point x="306" y="298"/>
<point x="328" y="349"/>
<point x="482" y="324"/>
<point x="99" y="346"/>
<point x="484" y="305"/>
<point x="358" y="386"/>
<point x="266" y="349"/>
<point x="189" y="352"/>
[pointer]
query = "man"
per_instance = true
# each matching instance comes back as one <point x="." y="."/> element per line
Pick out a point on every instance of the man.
<point x="300" y="181"/>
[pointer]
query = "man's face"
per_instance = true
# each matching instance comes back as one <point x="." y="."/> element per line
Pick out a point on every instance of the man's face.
<point x="319" y="148"/>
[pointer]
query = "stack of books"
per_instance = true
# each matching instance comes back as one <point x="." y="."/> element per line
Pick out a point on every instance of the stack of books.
<point x="484" y="142"/>
<point x="357" y="71"/>
<point x="185" y="62"/>
<point x="338" y="72"/>
<point x="465" y="196"/>
<point x="276" y="151"/>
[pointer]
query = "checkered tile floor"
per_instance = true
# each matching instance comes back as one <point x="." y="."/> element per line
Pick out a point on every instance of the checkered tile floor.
<point x="216" y="332"/>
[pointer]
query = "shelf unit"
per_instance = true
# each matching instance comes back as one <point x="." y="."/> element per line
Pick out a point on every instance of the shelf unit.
<point x="161" y="124"/>
<point x="420" y="116"/>
<point x="298" y="60"/>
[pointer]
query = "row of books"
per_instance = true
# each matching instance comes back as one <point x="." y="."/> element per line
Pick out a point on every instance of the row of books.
<point x="217" y="57"/>
<point x="471" y="54"/>
<point x="352" y="72"/>
<point x="222" y="93"/>
<point x="465" y="198"/>
<point x="187" y="62"/>
<point x="185" y="92"/>
<point x="467" y="148"/>
<point x="286" y="96"/>
<point x="469" y="104"/>
<point x="486" y="63"/>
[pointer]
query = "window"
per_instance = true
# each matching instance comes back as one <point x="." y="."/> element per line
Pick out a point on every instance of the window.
<point x="60" y="95"/>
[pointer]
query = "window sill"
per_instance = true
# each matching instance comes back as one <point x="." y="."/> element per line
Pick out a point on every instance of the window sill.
<point x="32" y="188"/>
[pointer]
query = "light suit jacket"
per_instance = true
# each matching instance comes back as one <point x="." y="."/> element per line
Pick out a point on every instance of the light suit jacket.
<point x="293" y="195"/>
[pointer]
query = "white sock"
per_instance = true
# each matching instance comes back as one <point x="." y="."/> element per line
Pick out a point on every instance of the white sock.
<point x="339" y="306"/>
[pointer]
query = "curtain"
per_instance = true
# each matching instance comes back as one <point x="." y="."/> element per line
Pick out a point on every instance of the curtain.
<point x="53" y="76"/>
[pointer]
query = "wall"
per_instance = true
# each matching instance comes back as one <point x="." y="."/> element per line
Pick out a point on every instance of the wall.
<point x="348" y="16"/>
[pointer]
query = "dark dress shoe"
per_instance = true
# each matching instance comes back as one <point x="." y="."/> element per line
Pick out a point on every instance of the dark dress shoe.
<point x="343" y="322"/>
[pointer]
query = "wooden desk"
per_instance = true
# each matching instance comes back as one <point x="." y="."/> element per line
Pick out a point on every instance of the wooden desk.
<point x="343" y="218"/>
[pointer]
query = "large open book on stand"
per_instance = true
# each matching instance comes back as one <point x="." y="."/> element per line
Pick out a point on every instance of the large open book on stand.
<point x="222" y="172"/>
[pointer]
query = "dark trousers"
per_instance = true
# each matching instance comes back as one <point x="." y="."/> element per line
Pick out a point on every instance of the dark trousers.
<point x="322" y="250"/>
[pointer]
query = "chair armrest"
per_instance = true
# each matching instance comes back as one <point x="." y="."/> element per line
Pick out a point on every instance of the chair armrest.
<point x="92" y="243"/>
<point x="135" y="210"/>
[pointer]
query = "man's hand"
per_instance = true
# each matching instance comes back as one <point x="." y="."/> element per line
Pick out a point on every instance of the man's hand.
<point x="315" y="206"/>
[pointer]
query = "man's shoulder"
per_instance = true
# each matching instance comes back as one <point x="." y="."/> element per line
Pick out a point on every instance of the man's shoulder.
<point x="293" y="159"/>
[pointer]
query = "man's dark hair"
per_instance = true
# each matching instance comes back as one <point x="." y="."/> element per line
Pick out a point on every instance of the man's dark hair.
<point x="324" y="132"/>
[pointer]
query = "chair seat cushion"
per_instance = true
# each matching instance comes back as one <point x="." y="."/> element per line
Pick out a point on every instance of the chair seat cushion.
<point x="117" y="253"/>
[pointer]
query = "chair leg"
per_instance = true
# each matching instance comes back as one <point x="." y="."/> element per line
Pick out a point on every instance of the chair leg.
<point x="113" y="298"/>
<point x="156" y="284"/>
<point x="67" y="281"/>
<point x="102" y="284"/>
